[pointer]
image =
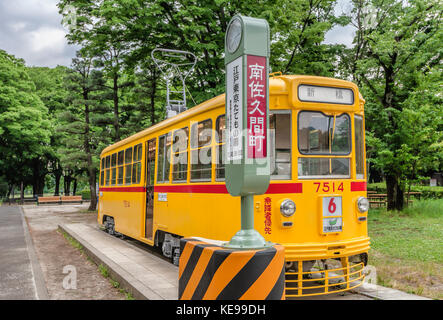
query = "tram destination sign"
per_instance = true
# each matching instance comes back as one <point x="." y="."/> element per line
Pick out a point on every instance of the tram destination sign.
<point x="256" y="111"/>
<point x="310" y="93"/>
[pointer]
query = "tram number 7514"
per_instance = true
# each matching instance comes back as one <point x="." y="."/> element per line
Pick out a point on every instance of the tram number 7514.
<point x="329" y="186"/>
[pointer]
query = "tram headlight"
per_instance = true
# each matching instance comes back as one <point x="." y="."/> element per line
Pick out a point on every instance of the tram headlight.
<point x="363" y="204"/>
<point x="287" y="208"/>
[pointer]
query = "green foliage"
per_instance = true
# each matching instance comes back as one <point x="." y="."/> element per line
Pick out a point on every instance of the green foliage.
<point x="25" y="130"/>
<point x="86" y="194"/>
<point x="396" y="63"/>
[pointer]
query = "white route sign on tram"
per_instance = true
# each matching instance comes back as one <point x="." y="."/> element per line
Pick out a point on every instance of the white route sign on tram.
<point x="234" y="117"/>
<point x="325" y="94"/>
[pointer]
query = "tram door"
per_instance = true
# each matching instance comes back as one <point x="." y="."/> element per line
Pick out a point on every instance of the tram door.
<point x="150" y="168"/>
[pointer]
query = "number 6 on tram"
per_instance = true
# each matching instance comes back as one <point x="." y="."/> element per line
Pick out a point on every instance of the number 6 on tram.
<point x="167" y="182"/>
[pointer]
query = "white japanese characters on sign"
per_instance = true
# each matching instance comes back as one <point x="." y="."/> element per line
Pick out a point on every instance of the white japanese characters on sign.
<point x="256" y="107"/>
<point x="325" y="94"/>
<point x="234" y="114"/>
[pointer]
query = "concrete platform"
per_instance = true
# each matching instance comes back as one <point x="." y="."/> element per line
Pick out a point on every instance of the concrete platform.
<point x="150" y="277"/>
<point x="382" y="293"/>
<point x="143" y="274"/>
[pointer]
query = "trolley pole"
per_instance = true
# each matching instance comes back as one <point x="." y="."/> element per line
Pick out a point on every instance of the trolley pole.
<point x="247" y="168"/>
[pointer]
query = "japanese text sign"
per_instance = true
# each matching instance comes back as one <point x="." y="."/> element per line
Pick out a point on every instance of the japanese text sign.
<point x="256" y="107"/>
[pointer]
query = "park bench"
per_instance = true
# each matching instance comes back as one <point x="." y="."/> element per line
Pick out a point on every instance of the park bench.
<point x="60" y="199"/>
<point x="55" y="199"/>
<point x="70" y="199"/>
<point x="381" y="199"/>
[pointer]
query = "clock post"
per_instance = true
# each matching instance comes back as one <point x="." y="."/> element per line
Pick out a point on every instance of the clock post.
<point x="247" y="168"/>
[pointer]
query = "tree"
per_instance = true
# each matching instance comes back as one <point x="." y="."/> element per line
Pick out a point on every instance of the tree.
<point x="25" y="130"/>
<point x="395" y="59"/>
<point x="85" y="123"/>
<point x="49" y="83"/>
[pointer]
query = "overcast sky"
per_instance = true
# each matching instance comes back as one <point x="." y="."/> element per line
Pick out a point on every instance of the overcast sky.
<point x="31" y="30"/>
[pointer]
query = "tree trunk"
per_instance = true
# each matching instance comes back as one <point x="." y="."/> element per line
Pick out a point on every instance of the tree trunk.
<point x="22" y="193"/>
<point x="92" y="189"/>
<point x="153" y="92"/>
<point x="67" y="180"/>
<point x="75" y="187"/>
<point x="57" y="175"/>
<point x="395" y="193"/>
<point x="91" y="168"/>
<point x="38" y="186"/>
<point x="116" y="111"/>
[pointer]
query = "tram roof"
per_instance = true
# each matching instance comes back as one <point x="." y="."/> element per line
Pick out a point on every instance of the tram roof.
<point x="278" y="85"/>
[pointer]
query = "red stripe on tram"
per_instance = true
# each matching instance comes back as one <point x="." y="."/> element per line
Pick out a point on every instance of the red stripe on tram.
<point x="196" y="188"/>
<point x="207" y="188"/>
<point x="221" y="188"/>
<point x="358" y="186"/>
<point x="285" y="188"/>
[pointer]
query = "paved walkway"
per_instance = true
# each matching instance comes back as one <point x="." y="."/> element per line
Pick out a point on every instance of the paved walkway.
<point x="20" y="274"/>
<point x="143" y="274"/>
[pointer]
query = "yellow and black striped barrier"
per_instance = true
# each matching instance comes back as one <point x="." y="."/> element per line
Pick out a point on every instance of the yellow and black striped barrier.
<point x="211" y="272"/>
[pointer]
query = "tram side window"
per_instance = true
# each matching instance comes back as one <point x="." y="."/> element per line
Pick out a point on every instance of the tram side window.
<point x="120" y="169"/>
<point x="220" y="127"/>
<point x="163" y="158"/>
<point x="180" y="155"/>
<point x="102" y="172"/>
<point x="280" y="140"/>
<point x="137" y="165"/>
<point x="201" y="151"/>
<point x="128" y="165"/>
<point x="359" y="146"/>
<point x="113" y="169"/>
<point x="108" y="170"/>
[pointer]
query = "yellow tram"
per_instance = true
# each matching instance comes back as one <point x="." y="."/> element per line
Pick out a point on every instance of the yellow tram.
<point x="315" y="206"/>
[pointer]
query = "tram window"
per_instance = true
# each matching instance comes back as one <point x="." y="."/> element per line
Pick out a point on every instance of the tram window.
<point x="136" y="172"/>
<point x="103" y="163"/>
<point x="168" y="157"/>
<point x="180" y="155"/>
<point x="120" y="175"/>
<point x="150" y="169"/>
<point x="280" y="144"/>
<point x="102" y="177"/>
<point x="163" y="159"/>
<point x="114" y="160"/>
<point x="108" y="162"/>
<point x="128" y="170"/>
<point x="108" y="176"/>
<point x="201" y="164"/>
<point x="120" y="158"/>
<point x="138" y="152"/>
<point x="317" y="168"/>
<point x="201" y="133"/>
<point x="160" y="158"/>
<point x="220" y="127"/>
<point x="322" y="134"/>
<point x="128" y="155"/>
<point x="359" y="146"/>
<point x="114" y="176"/>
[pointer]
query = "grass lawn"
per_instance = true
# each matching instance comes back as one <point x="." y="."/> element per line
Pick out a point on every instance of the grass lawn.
<point x="407" y="248"/>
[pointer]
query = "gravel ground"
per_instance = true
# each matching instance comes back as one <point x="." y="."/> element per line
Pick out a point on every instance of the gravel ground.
<point x="60" y="261"/>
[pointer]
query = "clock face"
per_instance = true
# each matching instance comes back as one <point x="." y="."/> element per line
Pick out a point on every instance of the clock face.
<point x="234" y="36"/>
